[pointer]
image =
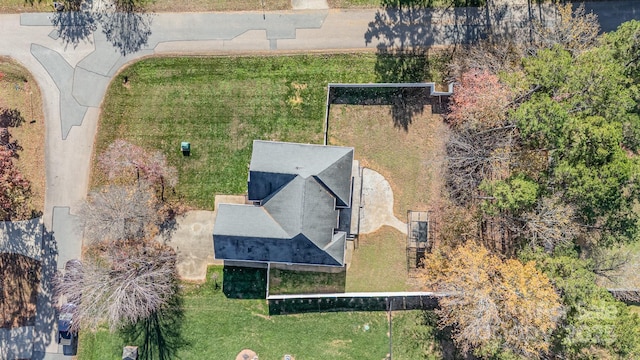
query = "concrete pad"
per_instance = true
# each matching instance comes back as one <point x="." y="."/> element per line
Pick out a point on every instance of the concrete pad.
<point x="348" y="254"/>
<point x="250" y="40"/>
<point x="377" y="204"/>
<point x="229" y="199"/>
<point x="89" y="87"/>
<point x="36" y="19"/>
<point x="192" y="239"/>
<point x="356" y="192"/>
<point x="22" y="237"/>
<point x="71" y="113"/>
<point x="67" y="235"/>
<point x="309" y="4"/>
<point x="178" y="47"/>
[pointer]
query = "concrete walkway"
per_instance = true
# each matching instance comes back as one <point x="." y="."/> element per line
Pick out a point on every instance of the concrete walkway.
<point x="74" y="62"/>
<point x="377" y="204"/>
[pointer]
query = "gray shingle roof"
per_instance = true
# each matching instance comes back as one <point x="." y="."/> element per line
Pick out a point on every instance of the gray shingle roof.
<point x="299" y="187"/>
<point x="330" y="164"/>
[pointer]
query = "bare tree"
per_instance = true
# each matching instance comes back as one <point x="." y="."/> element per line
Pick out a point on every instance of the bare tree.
<point x="117" y="213"/>
<point x="473" y="156"/>
<point x="123" y="160"/>
<point x="495" y="54"/>
<point x="575" y="31"/>
<point x="127" y="282"/>
<point x="552" y="223"/>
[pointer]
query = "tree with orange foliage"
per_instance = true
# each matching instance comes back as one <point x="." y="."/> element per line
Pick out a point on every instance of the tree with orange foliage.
<point x="479" y="101"/>
<point x="496" y="307"/>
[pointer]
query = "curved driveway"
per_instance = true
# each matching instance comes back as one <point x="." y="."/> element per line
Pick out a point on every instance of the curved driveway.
<point x="74" y="62"/>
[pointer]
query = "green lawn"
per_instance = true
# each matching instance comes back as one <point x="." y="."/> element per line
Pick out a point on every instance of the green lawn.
<point x="218" y="327"/>
<point x="219" y="105"/>
<point x="305" y="282"/>
<point x="379" y="263"/>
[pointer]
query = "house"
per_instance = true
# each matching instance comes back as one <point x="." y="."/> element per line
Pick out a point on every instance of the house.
<point x="298" y="210"/>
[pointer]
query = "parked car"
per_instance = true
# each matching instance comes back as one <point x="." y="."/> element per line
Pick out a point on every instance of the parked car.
<point x="66" y="335"/>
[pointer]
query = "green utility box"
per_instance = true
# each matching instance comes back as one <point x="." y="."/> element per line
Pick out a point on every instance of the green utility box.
<point x="186" y="148"/>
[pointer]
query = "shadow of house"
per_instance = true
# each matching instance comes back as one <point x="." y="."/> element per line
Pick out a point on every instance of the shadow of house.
<point x="300" y="208"/>
<point x="243" y="282"/>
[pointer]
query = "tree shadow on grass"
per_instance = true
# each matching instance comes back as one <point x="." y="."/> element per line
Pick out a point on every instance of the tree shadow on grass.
<point x="158" y="337"/>
<point x="403" y="34"/>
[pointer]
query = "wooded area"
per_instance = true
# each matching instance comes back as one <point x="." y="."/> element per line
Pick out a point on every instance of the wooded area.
<point x="543" y="159"/>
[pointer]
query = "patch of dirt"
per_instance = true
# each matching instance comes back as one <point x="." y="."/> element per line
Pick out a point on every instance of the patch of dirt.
<point x="19" y="279"/>
<point x="266" y="317"/>
<point x="296" y="99"/>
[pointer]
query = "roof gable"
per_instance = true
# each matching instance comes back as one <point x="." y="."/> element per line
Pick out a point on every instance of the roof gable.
<point x="299" y="159"/>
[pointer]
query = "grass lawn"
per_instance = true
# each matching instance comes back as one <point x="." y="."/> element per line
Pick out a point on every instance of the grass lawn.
<point x="305" y="282"/>
<point x="18" y="90"/>
<point x="379" y="263"/>
<point x="220" y="105"/>
<point x="214" y="324"/>
<point x="22" y="6"/>
<point x="408" y="159"/>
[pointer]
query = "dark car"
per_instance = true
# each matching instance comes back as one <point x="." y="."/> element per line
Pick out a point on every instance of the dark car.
<point x="66" y="334"/>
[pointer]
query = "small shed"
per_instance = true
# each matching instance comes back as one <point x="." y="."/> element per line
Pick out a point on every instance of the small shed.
<point x="420" y="236"/>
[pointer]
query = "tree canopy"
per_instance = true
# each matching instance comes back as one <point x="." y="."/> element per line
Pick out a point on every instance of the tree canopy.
<point x="548" y="168"/>
<point x="565" y="123"/>
<point x="493" y="306"/>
